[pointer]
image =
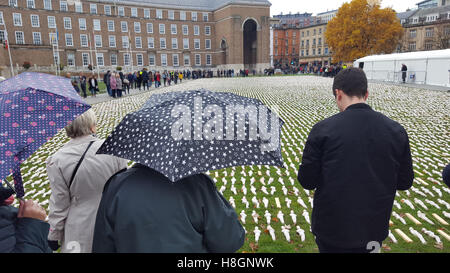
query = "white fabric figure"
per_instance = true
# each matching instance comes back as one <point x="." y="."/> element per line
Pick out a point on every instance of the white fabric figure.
<point x="422" y="216"/>
<point x="417" y="201"/>
<point x="432" y="235"/>
<point x="280" y="216"/>
<point x="255" y="217"/>
<point x="257" y="234"/>
<point x="232" y="202"/>
<point x="243" y="216"/>
<point x="255" y="202"/>
<point x="262" y="180"/>
<point x="300" y="201"/>
<point x="285" y="231"/>
<point x="253" y="190"/>
<point x="306" y="191"/>
<point x="233" y="189"/>
<point x="446" y="214"/>
<point x="270" y="180"/>
<point x="397" y="204"/>
<point x="284" y="189"/>
<point x="408" y="203"/>
<point x="418" y="235"/>
<point x="392" y="237"/>
<point x="272" y="190"/>
<point x="294" y="217"/>
<point x="306" y="215"/>
<point x="264" y="190"/>
<point x="271" y="232"/>
<point x="244" y="201"/>
<point x="295" y="191"/>
<point x="265" y="202"/>
<point x="244" y="190"/>
<point x="432" y="203"/>
<point x="398" y="217"/>
<point x="280" y="180"/>
<point x="301" y="233"/>
<point x="442" y="202"/>
<point x="267" y="215"/>
<point x="288" y="202"/>
<point x="311" y="201"/>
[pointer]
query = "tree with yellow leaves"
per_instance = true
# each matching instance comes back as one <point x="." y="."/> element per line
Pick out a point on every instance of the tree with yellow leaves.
<point x="363" y="28"/>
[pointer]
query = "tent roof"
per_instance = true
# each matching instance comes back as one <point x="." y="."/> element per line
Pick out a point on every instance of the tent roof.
<point x="434" y="54"/>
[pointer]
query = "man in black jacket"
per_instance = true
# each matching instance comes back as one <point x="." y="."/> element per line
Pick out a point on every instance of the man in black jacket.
<point x="356" y="161"/>
<point x="22" y="230"/>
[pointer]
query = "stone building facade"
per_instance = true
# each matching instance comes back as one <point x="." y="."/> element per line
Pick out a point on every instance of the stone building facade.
<point x="132" y="34"/>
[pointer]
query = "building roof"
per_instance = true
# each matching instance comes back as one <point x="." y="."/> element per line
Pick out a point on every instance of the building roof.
<point x="435" y="10"/>
<point x="327" y="12"/>
<point x="207" y="5"/>
<point x="434" y="54"/>
<point x="406" y="14"/>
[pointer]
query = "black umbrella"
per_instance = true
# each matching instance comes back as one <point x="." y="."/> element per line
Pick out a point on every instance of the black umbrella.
<point x="184" y="133"/>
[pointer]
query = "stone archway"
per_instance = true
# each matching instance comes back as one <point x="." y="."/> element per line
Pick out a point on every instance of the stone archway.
<point x="250" y="43"/>
<point x="223" y="47"/>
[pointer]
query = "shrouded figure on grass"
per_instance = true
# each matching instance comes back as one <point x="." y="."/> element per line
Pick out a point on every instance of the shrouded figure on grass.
<point x="356" y="161"/>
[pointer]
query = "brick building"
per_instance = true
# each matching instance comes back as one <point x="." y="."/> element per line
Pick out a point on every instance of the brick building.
<point x="159" y="34"/>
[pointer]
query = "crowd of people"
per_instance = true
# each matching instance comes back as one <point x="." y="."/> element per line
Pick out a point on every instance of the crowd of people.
<point x="102" y="206"/>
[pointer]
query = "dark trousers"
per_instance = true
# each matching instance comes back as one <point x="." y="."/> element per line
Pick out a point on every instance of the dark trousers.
<point x="145" y="84"/>
<point x="113" y="92"/>
<point x="404" y="76"/>
<point x="119" y="93"/>
<point x="326" y="248"/>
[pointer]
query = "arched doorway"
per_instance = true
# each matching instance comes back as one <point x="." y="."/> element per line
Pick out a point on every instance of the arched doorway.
<point x="250" y="43"/>
<point x="223" y="46"/>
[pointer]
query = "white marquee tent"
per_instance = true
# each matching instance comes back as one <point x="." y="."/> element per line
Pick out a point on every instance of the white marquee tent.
<point x="424" y="67"/>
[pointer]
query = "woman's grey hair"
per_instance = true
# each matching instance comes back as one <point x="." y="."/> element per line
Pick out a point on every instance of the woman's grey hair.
<point x="82" y="126"/>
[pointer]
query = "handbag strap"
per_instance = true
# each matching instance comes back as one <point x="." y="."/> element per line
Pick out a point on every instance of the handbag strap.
<point x="79" y="163"/>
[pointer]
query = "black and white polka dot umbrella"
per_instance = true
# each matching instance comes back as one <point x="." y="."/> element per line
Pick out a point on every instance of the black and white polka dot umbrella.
<point x="184" y="133"/>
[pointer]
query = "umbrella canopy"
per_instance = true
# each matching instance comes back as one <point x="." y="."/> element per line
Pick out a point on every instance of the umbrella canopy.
<point x="184" y="133"/>
<point x="33" y="108"/>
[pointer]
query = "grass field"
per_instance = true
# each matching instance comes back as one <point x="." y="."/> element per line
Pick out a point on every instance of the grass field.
<point x="302" y="102"/>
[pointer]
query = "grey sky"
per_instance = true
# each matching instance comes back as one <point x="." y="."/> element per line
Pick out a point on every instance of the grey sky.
<point x="317" y="6"/>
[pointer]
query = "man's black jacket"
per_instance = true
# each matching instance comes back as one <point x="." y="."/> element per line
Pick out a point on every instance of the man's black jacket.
<point x="356" y="161"/>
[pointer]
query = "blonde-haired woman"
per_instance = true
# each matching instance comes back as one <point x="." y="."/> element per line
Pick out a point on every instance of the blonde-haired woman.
<point x="77" y="177"/>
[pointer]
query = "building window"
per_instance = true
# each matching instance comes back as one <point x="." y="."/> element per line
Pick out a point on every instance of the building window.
<point x="412" y="46"/>
<point x="121" y="11"/>
<point x="137" y="27"/>
<point x="112" y="41"/>
<point x="207" y="44"/>
<point x="198" y="60"/>
<point x="139" y="59"/>
<point x="34" y="20"/>
<point x="162" y="29"/>
<point x="93" y="8"/>
<point x="69" y="40"/>
<point x="113" y="59"/>
<point x="17" y="18"/>
<point x="196" y="43"/>
<point x="207" y="30"/>
<point x="196" y="30"/>
<point x="146" y="13"/>
<point x="97" y="26"/>
<point x="151" y="42"/>
<point x="187" y="59"/>
<point x="175" y="60"/>
<point x="110" y="24"/>
<point x="124" y="26"/>
<point x="185" y="30"/>
<point x="48" y="4"/>
<point x="13" y="3"/>
<point x="98" y="40"/>
<point x="126" y="59"/>
<point x="70" y="59"/>
<point x="31" y="4"/>
<point x="163" y="59"/>
<point x="447" y="31"/>
<point x="171" y="15"/>
<point x="429" y="32"/>
<point x="151" y="59"/>
<point x="134" y="12"/>
<point x="125" y="42"/>
<point x="194" y="16"/>
<point x="320" y="41"/>
<point x="205" y="17"/>
<point x="52" y="38"/>
<point x="82" y="23"/>
<point x="182" y="16"/>
<point x="63" y="6"/>
<point x="149" y="28"/>
<point x="78" y="7"/>
<point x="208" y="59"/>
<point x="100" y="60"/>
<point x="1" y="18"/>
<point x="138" y="42"/>
<point x="85" y="58"/>
<point x="174" y="43"/>
<point x="67" y="23"/>
<point x="159" y="14"/>
<point x="413" y="33"/>
<point x="326" y="51"/>
<point x="83" y="40"/>
<point x="173" y="29"/>
<point x="186" y="43"/>
<point x="314" y="52"/>
<point x="37" y="38"/>
<point x="107" y="9"/>
<point x="162" y="43"/>
<point x="428" y="45"/>
<point x="320" y="51"/>
<point x="2" y="36"/>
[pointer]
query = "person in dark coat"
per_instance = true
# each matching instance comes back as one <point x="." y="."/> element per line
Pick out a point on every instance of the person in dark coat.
<point x="356" y="161"/>
<point x="93" y="85"/>
<point x="143" y="211"/>
<point x="106" y="78"/>
<point x="404" y="70"/>
<point x="83" y="85"/>
<point x="446" y="175"/>
<point x="22" y="230"/>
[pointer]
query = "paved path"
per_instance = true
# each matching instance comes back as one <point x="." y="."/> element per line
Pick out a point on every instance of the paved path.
<point x="414" y="85"/>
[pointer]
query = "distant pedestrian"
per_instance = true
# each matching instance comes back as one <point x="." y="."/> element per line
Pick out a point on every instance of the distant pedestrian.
<point x="83" y="85"/>
<point x="404" y="71"/>
<point x="93" y="85"/>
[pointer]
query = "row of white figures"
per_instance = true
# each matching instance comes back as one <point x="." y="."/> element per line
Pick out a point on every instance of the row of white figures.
<point x="284" y="229"/>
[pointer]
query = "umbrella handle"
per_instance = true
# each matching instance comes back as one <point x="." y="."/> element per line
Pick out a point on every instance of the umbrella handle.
<point x="11" y="187"/>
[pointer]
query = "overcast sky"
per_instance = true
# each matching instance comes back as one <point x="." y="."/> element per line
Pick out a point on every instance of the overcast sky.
<point x="317" y="6"/>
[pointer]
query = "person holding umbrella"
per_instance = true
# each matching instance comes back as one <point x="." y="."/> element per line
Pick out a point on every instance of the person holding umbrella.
<point x="77" y="177"/>
<point x="164" y="203"/>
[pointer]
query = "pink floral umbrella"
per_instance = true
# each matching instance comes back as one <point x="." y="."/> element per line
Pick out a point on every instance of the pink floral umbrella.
<point x="33" y="108"/>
